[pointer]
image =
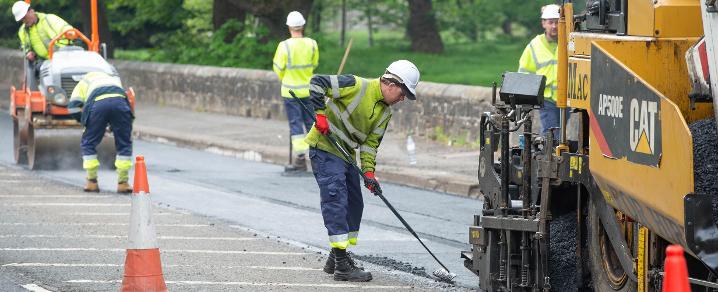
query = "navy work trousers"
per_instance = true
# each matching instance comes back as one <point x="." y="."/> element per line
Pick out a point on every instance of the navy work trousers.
<point x="550" y="115"/>
<point x="116" y="112"/>
<point x="299" y="120"/>
<point x="341" y="198"/>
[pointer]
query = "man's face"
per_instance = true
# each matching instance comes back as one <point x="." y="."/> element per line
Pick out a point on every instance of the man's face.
<point x="550" y="26"/>
<point x="393" y="94"/>
<point x="30" y="18"/>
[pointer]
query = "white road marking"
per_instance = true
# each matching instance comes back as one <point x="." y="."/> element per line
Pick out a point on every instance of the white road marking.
<point x="113" y="214"/>
<point x="57" y="196"/>
<point x="205" y="283"/>
<point x="95" y="224"/>
<point x="42" y="265"/>
<point x="35" y="288"/>
<point x="66" y="205"/>
<point x="125" y="236"/>
<point x="163" y="250"/>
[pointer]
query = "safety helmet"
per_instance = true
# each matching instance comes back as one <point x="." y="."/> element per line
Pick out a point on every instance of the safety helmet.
<point x="550" y="11"/>
<point x="408" y="75"/>
<point x="295" y="19"/>
<point x="19" y="9"/>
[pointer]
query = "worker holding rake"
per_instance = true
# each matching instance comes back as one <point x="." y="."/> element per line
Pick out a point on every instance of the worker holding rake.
<point x="356" y="114"/>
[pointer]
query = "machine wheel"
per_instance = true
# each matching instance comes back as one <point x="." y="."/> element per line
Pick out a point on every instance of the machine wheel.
<point x="30" y="146"/>
<point x="19" y="145"/>
<point x="606" y="271"/>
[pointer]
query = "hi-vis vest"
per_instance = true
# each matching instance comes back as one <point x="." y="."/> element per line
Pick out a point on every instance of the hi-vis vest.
<point x="356" y="113"/>
<point x="294" y="63"/>
<point x="541" y="57"/>
<point x="38" y="37"/>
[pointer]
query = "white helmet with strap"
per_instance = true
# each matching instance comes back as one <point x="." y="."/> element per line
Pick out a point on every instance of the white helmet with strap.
<point x="19" y="9"/>
<point x="408" y="75"/>
<point x="295" y="19"/>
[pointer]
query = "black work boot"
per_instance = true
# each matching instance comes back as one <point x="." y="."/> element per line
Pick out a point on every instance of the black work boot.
<point x="345" y="271"/>
<point x="330" y="264"/>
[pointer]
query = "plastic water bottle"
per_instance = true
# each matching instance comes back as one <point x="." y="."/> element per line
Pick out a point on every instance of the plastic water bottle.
<point x="411" y="149"/>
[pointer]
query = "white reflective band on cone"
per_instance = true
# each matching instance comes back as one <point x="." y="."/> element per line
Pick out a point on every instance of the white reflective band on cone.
<point x="142" y="228"/>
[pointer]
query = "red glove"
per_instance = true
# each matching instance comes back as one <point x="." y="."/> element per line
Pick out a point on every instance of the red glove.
<point x="322" y="125"/>
<point x="371" y="183"/>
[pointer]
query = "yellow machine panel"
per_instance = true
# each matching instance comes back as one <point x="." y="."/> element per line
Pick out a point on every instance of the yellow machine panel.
<point x="658" y="18"/>
<point x="579" y="83"/>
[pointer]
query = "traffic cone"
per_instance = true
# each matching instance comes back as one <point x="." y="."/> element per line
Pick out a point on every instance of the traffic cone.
<point x="675" y="278"/>
<point x="143" y="268"/>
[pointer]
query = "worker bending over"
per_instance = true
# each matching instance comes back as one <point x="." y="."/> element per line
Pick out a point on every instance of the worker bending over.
<point x="99" y="100"/>
<point x="541" y="57"/>
<point x="357" y="114"/>
<point x="294" y="63"/>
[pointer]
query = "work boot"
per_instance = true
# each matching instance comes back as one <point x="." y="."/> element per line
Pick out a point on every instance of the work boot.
<point x="345" y="271"/>
<point x="92" y="186"/>
<point x="330" y="264"/>
<point x="299" y="164"/>
<point x="124" y="188"/>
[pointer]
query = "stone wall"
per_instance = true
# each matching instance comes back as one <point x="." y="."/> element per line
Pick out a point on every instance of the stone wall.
<point x="455" y="109"/>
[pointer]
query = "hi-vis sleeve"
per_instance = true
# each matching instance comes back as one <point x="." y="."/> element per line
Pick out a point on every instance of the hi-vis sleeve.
<point x="332" y="86"/>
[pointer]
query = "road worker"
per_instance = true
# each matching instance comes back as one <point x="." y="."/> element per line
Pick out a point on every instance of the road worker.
<point x="294" y="62"/>
<point x="99" y="100"/>
<point x="541" y="57"/>
<point x="36" y="33"/>
<point x="356" y="114"/>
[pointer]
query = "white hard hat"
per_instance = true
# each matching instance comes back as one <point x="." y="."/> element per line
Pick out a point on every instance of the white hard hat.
<point x="19" y="9"/>
<point x="550" y="11"/>
<point x="407" y="73"/>
<point x="295" y="19"/>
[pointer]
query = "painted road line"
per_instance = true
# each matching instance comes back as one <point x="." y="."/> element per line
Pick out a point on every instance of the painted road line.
<point x="125" y="236"/>
<point x="93" y="224"/>
<point x="113" y="214"/>
<point x="35" y="288"/>
<point x="60" y="265"/>
<point x="208" y="283"/>
<point x="65" y="205"/>
<point x="201" y="251"/>
<point x="57" y="196"/>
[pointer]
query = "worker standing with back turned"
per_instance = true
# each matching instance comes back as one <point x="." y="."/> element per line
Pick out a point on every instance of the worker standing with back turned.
<point x="541" y="57"/>
<point x="99" y="100"/>
<point x="294" y="63"/>
<point x="356" y="114"/>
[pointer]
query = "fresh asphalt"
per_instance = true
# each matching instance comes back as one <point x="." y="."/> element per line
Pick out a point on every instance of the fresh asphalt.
<point x="257" y="196"/>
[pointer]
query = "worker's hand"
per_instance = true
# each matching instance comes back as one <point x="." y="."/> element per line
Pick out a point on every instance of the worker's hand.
<point x="30" y="56"/>
<point x="322" y="125"/>
<point x="371" y="183"/>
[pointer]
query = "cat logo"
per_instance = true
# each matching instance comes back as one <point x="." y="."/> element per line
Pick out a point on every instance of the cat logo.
<point x="642" y="126"/>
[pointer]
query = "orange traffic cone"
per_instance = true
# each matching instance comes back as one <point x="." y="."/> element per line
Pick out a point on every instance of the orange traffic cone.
<point x="676" y="271"/>
<point x="143" y="268"/>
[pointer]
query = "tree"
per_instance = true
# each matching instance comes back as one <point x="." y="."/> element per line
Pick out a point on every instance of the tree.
<point x="270" y="13"/>
<point x="423" y="29"/>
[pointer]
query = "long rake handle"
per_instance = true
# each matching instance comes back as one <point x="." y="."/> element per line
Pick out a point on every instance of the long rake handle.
<point x="377" y="190"/>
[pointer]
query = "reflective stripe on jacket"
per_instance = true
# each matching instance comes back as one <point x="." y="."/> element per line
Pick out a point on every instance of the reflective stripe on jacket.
<point x="356" y="113"/>
<point x="37" y="38"/>
<point x="541" y="57"/>
<point x="94" y="86"/>
<point x="294" y="63"/>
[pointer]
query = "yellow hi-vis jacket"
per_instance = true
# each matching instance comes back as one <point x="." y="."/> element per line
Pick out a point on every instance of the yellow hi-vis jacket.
<point x="356" y="113"/>
<point x="294" y="63"/>
<point x="541" y="57"/>
<point x="37" y="38"/>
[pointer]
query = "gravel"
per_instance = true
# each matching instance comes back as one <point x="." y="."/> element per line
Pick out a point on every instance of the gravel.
<point x="562" y="260"/>
<point x="705" y="160"/>
<point x="394" y="264"/>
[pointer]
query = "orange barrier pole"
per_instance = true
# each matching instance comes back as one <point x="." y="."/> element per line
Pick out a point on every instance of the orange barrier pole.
<point x="676" y="271"/>
<point x="95" y="29"/>
<point x="143" y="267"/>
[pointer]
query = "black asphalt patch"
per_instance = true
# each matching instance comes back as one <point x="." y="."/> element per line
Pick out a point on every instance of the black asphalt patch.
<point x="705" y="160"/>
<point x="562" y="260"/>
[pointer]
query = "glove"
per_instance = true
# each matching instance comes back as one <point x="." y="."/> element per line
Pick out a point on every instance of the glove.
<point x="322" y="125"/>
<point x="371" y="183"/>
